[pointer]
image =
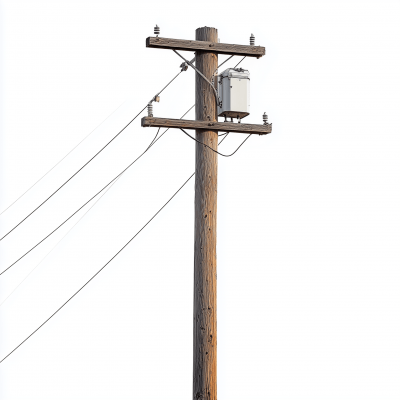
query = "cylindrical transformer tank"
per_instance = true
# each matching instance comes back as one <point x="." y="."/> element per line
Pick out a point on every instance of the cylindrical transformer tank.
<point x="234" y="92"/>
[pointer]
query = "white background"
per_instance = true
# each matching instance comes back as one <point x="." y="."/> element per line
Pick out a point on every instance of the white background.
<point x="308" y="217"/>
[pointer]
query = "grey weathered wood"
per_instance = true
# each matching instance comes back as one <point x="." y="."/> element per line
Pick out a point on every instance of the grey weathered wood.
<point x="216" y="126"/>
<point x="192" y="45"/>
<point x="205" y="237"/>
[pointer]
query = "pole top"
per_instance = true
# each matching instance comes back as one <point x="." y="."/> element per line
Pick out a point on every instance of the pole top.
<point x="207" y="34"/>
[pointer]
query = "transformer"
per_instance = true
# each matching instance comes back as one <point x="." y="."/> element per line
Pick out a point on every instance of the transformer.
<point x="234" y="92"/>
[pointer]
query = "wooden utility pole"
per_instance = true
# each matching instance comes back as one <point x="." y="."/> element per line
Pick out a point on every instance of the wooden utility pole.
<point x="205" y="231"/>
<point x="205" y="234"/>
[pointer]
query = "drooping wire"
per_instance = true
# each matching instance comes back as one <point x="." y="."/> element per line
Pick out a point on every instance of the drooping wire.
<point x="80" y="169"/>
<point x="84" y="165"/>
<point x="105" y="265"/>
<point x="55" y="165"/>
<point x="80" y="208"/>
<point x="215" y="151"/>
<point x="101" y="269"/>
<point x="156" y="138"/>
<point x="226" y="135"/>
<point x="76" y="223"/>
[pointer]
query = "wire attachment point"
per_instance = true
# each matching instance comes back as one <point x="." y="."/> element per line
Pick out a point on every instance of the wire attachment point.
<point x="184" y="66"/>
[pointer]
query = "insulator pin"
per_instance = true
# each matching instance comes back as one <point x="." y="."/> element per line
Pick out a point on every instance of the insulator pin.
<point x="252" y="40"/>
<point x="157" y="30"/>
<point x="265" y="118"/>
<point x="150" y="109"/>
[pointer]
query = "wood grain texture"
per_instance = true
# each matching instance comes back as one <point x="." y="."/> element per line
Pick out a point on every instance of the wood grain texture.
<point x="221" y="48"/>
<point x="217" y="126"/>
<point x="205" y="237"/>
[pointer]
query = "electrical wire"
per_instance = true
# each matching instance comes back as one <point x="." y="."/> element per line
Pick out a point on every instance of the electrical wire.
<point x="224" y="155"/>
<point x="84" y="165"/>
<point x="227" y="133"/>
<point x="80" y="208"/>
<point x="80" y="169"/>
<point x="156" y="138"/>
<point x="167" y="85"/>
<point x="101" y="269"/>
<point x="76" y="223"/>
<point x="55" y="165"/>
<point x="105" y="265"/>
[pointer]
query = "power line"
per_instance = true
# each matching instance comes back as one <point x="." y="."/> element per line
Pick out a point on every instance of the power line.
<point x="80" y="169"/>
<point x="224" y="155"/>
<point x="76" y="223"/>
<point x="227" y="133"/>
<point x="88" y="201"/>
<point x="105" y="265"/>
<point x="167" y="84"/>
<point x="80" y="208"/>
<point x="55" y="165"/>
<point x="101" y="269"/>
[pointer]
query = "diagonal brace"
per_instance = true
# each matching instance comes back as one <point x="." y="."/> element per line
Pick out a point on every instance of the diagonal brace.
<point x="189" y="63"/>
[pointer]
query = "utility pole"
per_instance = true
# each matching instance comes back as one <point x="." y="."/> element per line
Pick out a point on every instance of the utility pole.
<point x="207" y="127"/>
<point x="205" y="230"/>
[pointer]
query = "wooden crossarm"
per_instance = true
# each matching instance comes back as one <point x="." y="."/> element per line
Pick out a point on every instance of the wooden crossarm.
<point x="211" y="126"/>
<point x="222" y="48"/>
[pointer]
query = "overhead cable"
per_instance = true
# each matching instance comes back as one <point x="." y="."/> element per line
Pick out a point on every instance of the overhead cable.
<point x="88" y="201"/>
<point x="80" y="169"/>
<point x="101" y="269"/>
<point x="166" y="86"/>
<point x="80" y="208"/>
<point x="215" y="151"/>
<point x="105" y="265"/>
<point x="55" y="165"/>
<point x="84" y="165"/>
<point x="76" y="223"/>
